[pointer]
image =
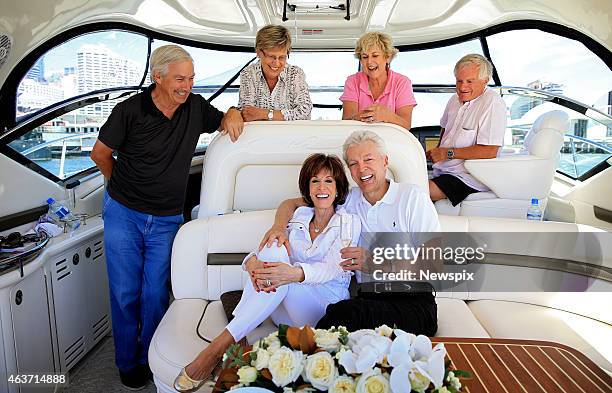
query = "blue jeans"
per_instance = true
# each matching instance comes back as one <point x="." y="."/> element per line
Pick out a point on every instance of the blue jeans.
<point x="138" y="248"/>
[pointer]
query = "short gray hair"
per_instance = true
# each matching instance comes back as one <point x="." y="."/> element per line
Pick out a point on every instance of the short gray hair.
<point x="358" y="137"/>
<point x="164" y="55"/>
<point x="485" y="68"/>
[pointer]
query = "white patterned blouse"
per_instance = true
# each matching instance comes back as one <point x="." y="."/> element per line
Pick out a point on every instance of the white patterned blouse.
<point x="290" y="95"/>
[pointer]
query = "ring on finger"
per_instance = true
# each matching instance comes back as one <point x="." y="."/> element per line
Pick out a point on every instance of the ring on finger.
<point x="268" y="282"/>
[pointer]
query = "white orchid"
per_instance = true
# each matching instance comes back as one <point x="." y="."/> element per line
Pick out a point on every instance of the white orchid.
<point x="384" y="330"/>
<point x="367" y="349"/>
<point x="422" y="365"/>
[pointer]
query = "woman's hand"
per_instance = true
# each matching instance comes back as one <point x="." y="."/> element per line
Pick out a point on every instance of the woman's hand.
<point x="277" y="274"/>
<point x="375" y="113"/>
<point x="251" y="265"/>
<point x="354" y="259"/>
<point x="278" y="233"/>
<point x="252" y="113"/>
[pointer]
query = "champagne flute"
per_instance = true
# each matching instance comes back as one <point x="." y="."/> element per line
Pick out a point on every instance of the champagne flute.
<point x="346" y="229"/>
<point x="346" y="232"/>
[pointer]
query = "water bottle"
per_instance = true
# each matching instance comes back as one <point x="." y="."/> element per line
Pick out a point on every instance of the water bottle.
<point x="63" y="214"/>
<point x="534" y="212"/>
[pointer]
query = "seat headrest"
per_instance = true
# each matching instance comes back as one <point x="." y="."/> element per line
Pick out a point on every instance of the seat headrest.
<point x="261" y="169"/>
<point x="553" y="120"/>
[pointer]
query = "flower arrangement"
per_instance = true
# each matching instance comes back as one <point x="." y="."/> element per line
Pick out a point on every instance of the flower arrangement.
<point x="382" y="360"/>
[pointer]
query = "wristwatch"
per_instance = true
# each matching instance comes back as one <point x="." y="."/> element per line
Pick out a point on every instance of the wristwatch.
<point x="270" y="114"/>
<point x="450" y="154"/>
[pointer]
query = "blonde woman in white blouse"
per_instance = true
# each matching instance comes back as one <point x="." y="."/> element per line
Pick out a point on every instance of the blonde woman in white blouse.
<point x="271" y="89"/>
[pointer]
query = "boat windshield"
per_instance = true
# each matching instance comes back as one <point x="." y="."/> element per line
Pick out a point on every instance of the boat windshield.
<point x="90" y="65"/>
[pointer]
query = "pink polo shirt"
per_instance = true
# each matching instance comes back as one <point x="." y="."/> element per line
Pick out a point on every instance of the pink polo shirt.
<point x="397" y="93"/>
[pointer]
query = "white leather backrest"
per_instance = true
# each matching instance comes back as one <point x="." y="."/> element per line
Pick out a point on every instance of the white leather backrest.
<point x="261" y="169"/>
<point x="546" y="135"/>
<point x="525" y="176"/>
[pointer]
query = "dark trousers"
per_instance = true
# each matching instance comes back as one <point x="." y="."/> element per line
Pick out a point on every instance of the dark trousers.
<point x="416" y="313"/>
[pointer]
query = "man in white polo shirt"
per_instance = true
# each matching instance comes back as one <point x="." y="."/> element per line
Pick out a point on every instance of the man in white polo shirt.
<point x="383" y="206"/>
<point x="473" y="127"/>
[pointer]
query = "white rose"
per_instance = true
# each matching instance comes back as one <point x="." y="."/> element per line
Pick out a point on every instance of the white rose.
<point x="384" y="330"/>
<point x="329" y="341"/>
<point x="285" y="366"/>
<point x="247" y="374"/>
<point x="263" y="358"/>
<point x="256" y="345"/>
<point x="455" y="383"/>
<point x="273" y="343"/>
<point x="373" y="382"/>
<point x="320" y="370"/>
<point x="343" y="384"/>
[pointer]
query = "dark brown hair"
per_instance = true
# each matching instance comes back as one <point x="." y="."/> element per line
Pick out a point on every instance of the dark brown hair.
<point x="313" y="165"/>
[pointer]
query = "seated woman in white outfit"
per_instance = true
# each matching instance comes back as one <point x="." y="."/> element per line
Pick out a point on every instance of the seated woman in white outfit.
<point x="291" y="289"/>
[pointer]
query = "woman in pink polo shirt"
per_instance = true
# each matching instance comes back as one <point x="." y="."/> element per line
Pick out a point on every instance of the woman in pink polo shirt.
<point x="377" y="93"/>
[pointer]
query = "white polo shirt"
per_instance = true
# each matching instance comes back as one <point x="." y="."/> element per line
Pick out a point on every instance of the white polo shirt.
<point x="480" y="121"/>
<point x="404" y="208"/>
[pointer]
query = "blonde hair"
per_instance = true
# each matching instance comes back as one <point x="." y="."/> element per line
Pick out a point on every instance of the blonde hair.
<point x="485" y="68"/>
<point x="164" y="55"/>
<point x="376" y="39"/>
<point x="273" y="36"/>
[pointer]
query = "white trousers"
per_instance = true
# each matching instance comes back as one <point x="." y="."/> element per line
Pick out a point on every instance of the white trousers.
<point x="293" y="304"/>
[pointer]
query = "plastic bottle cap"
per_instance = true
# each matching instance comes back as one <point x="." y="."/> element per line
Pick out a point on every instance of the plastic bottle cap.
<point x="534" y="201"/>
<point x="50" y="201"/>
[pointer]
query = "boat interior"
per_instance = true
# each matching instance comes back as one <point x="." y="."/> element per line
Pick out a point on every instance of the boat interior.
<point x="64" y="66"/>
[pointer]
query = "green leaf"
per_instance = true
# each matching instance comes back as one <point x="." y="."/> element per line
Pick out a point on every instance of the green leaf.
<point x="282" y="335"/>
<point x="462" y="374"/>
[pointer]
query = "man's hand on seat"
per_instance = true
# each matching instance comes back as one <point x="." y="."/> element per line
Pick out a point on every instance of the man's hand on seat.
<point x="232" y="124"/>
<point x="278" y="233"/>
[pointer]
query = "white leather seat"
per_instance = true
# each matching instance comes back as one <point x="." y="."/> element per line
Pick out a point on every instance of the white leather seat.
<point x="196" y="314"/>
<point x="515" y="178"/>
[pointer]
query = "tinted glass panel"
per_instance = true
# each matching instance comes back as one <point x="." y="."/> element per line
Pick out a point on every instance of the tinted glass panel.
<point x="539" y="60"/>
<point x="433" y="66"/>
<point x="84" y="64"/>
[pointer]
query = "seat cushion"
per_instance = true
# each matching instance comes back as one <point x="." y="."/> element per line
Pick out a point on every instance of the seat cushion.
<point x="503" y="319"/>
<point x="230" y="300"/>
<point x="176" y="341"/>
<point x="456" y="320"/>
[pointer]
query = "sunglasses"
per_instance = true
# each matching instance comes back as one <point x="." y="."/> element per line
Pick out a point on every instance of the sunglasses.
<point x="16" y="239"/>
